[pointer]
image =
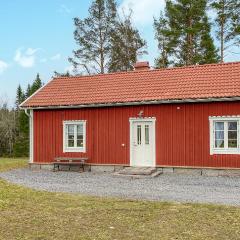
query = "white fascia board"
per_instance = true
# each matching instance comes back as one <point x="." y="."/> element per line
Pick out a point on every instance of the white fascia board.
<point x="40" y="89"/>
<point x="204" y="100"/>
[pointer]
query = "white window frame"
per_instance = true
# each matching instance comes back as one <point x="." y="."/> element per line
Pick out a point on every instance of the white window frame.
<point x="225" y="150"/>
<point x="65" y="141"/>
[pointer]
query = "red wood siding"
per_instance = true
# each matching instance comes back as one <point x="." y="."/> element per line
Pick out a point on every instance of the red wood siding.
<point x="182" y="133"/>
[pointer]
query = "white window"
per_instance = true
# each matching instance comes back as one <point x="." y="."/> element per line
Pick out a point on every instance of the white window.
<point x="224" y="135"/>
<point x="74" y="136"/>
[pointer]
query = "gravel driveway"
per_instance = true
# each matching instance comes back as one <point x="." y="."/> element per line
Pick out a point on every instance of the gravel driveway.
<point x="166" y="187"/>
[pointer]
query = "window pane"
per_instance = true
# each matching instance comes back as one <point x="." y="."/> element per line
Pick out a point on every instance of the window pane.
<point x="70" y="143"/>
<point x="80" y="129"/>
<point x="80" y="141"/>
<point x="219" y="143"/>
<point x="219" y="125"/>
<point x="139" y="135"/>
<point x="219" y="135"/>
<point x="232" y="126"/>
<point x="146" y="134"/>
<point x="232" y="143"/>
<point x="70" y="135"/>
<point x="80" y="135"/>
<point x="232" y="135"/>
<point x="70" y="129"/>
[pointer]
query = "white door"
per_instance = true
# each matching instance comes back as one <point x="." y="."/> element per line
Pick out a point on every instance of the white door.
<point x="142" y="142"/>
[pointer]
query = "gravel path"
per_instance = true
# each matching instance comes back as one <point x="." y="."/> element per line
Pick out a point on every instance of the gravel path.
<point x="172" y="187"/>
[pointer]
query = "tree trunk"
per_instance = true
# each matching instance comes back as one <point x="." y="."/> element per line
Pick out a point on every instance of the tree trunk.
<point x="101" y="52"/>
<point x="222" y="31"/>
<point x="222" y="42"/>
<point x="190" y="41"/>
<point x="189" y="45"/>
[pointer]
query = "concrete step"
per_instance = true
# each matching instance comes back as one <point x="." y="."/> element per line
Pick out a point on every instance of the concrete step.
<point x="137" y="170"/>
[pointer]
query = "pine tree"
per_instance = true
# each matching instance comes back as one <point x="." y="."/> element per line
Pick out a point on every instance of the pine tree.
<point x="207" y="52"/>
<point x="28" y="92"/>
<point x="162" y="30"/>
<point x="186" y="33"/>
<point x="126" y="45"/>
<point x="36" y="84"/>
<point x="93" y="36"/>
<point x="21" y="145"/>
<point x="19" y="97"/>
<point x="228" y="23"/>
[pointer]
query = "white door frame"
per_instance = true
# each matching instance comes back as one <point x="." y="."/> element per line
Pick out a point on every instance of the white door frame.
<point x="145" y="119"/>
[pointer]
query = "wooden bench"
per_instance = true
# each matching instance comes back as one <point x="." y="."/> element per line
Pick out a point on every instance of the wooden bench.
<point x="68" y="161"/>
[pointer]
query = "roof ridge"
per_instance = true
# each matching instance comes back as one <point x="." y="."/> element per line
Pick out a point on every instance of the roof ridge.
<point x="152" y="70"/>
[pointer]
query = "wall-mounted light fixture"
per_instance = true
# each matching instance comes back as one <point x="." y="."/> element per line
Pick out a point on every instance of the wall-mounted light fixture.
<point x="140" y="114"/>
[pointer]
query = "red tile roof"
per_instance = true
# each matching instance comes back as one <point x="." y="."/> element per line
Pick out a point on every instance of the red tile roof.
<point x="183" y="83"/>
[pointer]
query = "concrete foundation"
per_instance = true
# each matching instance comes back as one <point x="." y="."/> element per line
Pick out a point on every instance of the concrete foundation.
<point x="35" y="167"/>
<point x="221" y="172"/>
<point x="102" y="168"/>
<point x="76" y="169"/>
<point x="38" y="167"/>
<point x="47" y="167"/>
<point x="118" y="168"/>
<point x="64" y="168"/>
<point x="188" y="171"/>
<point x="208" y="172"/>
<point x="87" y="168"/>
<point x="230" y="173"/>
<point x="167" y="170"/>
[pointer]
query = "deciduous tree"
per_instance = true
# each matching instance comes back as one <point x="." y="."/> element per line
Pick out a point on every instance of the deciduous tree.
<point x="126" y="45"/>
<point x="93" y="37"/>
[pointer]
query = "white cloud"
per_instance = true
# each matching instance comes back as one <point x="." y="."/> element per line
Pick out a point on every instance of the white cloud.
<point x="64" y="9"/>
<point x="143" y="10"/>
<point x="56" y="57"/>
<point x="31" y="51"/>
<point x="26" y="58"/>
<point x="3" y="66"/>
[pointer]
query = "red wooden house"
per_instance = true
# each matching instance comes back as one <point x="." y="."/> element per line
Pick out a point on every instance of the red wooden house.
<point x="176" y="117"/>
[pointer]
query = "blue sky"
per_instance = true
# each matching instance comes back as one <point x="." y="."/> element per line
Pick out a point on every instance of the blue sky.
<point x="37" y="37"/>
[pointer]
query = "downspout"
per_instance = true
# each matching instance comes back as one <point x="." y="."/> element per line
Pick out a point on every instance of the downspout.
<point x="26" y="112"/>
<point x="30" y="115"/>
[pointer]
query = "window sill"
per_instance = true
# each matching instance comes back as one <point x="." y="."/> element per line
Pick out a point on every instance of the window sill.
<point x="66" y="150"/>
<point x="220" y="151"/>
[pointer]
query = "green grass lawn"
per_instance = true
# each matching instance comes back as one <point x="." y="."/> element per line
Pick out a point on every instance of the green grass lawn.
<point x="29" y="214"/>
<point x="11" y="163"/>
